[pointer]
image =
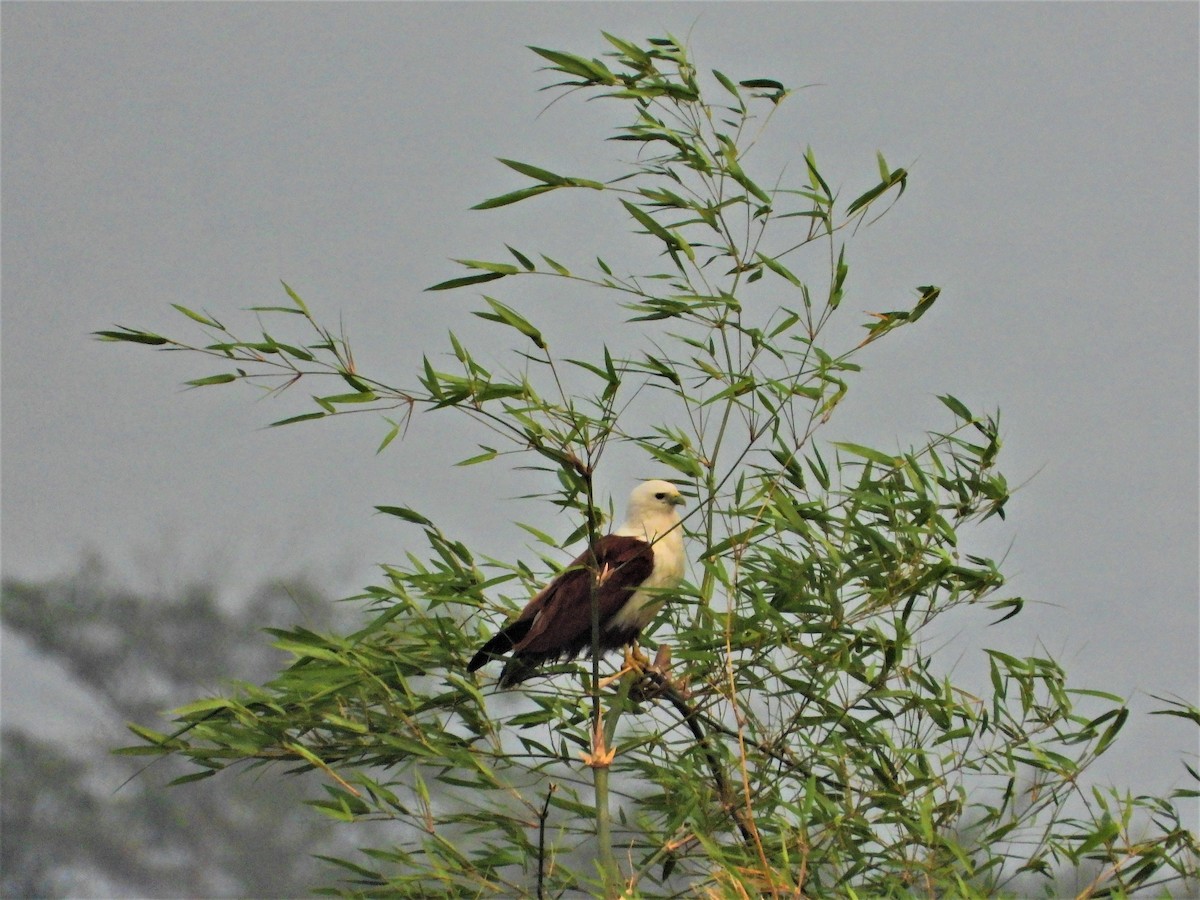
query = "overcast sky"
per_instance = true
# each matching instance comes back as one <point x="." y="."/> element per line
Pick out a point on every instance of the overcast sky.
<point x="196" y="154"/>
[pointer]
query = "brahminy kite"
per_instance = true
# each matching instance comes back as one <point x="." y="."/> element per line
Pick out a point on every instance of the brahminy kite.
<point x="628" y="570"/>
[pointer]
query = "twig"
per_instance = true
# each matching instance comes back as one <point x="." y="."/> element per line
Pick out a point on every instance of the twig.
<point x="542" y="841"/>
<point x="691" y="717"/>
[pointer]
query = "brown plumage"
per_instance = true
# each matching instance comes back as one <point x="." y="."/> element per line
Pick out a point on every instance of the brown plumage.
<point x="645" y="553"/>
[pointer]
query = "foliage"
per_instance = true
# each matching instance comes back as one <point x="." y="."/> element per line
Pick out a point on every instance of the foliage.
<point x="71" y="829"/>
<point x="804" y="740"/>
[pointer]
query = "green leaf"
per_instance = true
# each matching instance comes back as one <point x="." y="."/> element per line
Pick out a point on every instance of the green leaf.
<point x="648" y="222"/>
<point x="814" y="176"/>
<point x="877" y="456"/>
<point x="146" y="734"/>
<point x="522" y="259"/>
<point x="212" y="379"/>
<point x="591" y="70"/>
<point x="354" y="381"/>
<point x="207" y="705"/>
<point x="488" y="454"/>
<point x="403" y="512"/>
<point x="509" y="316"/>
<point x="731" y="164"/>
<point x="535" y="173"/>
<point x="466" y="280"/>
<point x="556" y="266"/>
<point x="735" y="540"/>
<point x="728" y="85"/>
<point x="540" y="535"/>
<point x="1014" y="605"/>
<point x="134" y="337"/>
<point x="301" y="418"/>
<point x="636" y="54"/>
<point x="762" y="83"/>
<point x="929" y="295"/>
<point x="389" y="437"/>
<point x="203" y="320"/>
<point x="358" y="397"/>
<point x="680" y="462"/>
<point x="660" y="368"/>
<point x="291" y="311"/>
<point x="295" y="298"/>
<point x="957" y="407"/>
<point x="1110" y="733"/>
<point x="195" y="776"/>
<point x="778" y="268"/>
<point x="900" y="177"/>
<point x="502" y="268"/>
<point x="515" y="196"/>
<point x="1184" y="711"/>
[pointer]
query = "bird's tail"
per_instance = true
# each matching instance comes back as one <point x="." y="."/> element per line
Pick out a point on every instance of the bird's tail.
<point x="503" y="641"/>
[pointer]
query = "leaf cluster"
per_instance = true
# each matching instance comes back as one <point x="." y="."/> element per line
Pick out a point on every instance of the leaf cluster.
<point x="804" y="740"/>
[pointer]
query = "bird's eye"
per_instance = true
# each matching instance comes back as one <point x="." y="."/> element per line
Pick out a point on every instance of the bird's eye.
<point x="661" y="495"/>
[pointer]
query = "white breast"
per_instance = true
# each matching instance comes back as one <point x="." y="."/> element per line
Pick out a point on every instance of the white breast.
<point x="666" y="574"/>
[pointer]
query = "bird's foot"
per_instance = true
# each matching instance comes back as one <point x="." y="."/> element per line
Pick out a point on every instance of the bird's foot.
<point x="658" y="678"/>
<point x="635" y="661"/>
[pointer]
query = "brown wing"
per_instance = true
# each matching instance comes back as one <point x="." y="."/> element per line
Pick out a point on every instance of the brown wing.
<point x="562" y="619"/>
<point x="558" y="621"/>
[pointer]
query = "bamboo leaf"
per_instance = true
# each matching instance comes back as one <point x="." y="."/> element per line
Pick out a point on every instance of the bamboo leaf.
<point x="403" y="512"/>
<point x="957" y="407"/>
<point x="651" y="225"/>
<point x="535" y="173"/>
<point x="729" y="86"/>
<point x="488" y="454"/>
<point x="466" y="280"/>
<point x="591" y="70"/>
<point x="870" y="453"/>
<point x="514" y="196"/>
<point x="131" y="335"/>
<point x="762" y="83"/>
<point x="556" y="266"/>
<point x="389" y="437"/>
<point x="509" y="316"/>
<point x="779" y="269"/>
<point x="203" y="320"/>
<point x="502" y="268"/>
<point x="301" y="418"/>
<point x="357" y="397"/>
<point x="295" y="298"/>
<point x="524" y="260"/>
<point x="224" y="378"/>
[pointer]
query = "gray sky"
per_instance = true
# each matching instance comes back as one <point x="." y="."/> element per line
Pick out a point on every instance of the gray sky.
<point x="198" y="153"/>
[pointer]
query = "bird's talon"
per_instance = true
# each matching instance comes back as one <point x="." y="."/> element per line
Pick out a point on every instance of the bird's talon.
<point x="613" y="679"/>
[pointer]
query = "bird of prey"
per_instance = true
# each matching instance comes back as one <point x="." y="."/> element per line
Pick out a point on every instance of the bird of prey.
<point x="628" y="570"/>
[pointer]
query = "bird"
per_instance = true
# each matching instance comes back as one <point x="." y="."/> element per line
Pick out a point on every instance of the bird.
<point x="632" y="567"/>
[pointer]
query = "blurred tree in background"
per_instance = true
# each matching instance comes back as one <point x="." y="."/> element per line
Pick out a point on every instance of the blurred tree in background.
<point x="67" y="829"/>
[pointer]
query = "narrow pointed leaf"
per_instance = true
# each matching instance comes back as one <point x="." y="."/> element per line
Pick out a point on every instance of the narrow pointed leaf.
<point x="195" y="316"/>
<point x="403" y="512"/>
<point x="224" y="378"/>
<point x="534" y="172"/>
<point x="466" y="280"/>
<point x="650" y="224"/>
<point x="515" y="196"/>
<point x="301" y="418"/>
<point x="524" y="260"/>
